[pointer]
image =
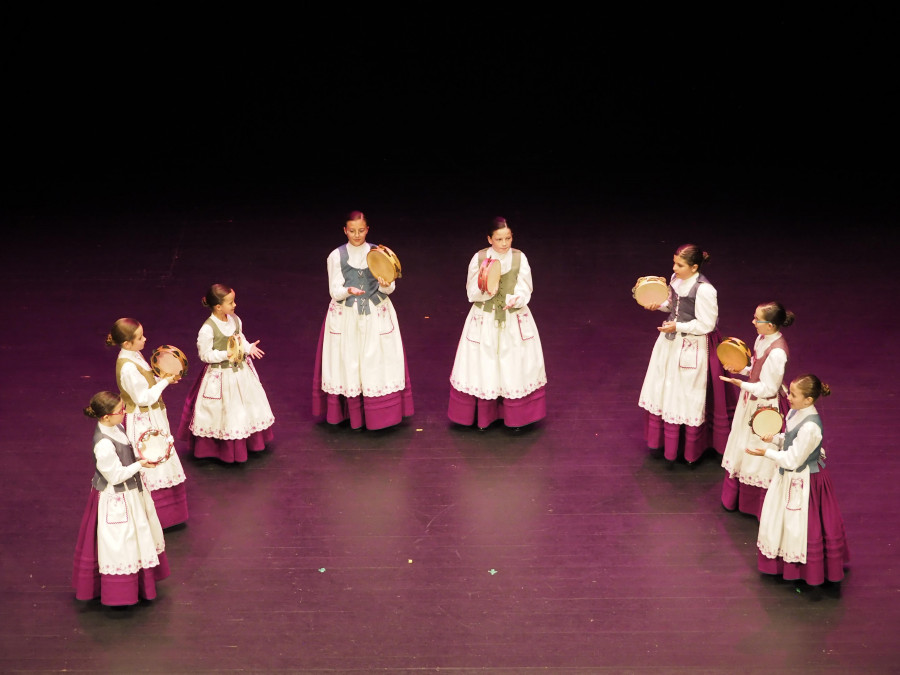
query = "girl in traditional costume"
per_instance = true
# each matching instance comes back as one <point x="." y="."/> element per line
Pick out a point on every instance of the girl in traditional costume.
<point x="498" y="372"/>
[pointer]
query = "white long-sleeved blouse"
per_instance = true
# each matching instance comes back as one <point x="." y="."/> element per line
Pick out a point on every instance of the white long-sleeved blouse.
<point x="524" y="284"/>
<point x="772" y="372"/>
<point x="135" y="384"/>
<point x="809" y="436"/>
<point x="706" y="306"/>
<point x="107" y="461"/>
<point x="356" y="257"/>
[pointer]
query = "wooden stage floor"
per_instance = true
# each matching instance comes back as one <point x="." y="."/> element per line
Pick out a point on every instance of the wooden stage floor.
<point x="564" y="548"/>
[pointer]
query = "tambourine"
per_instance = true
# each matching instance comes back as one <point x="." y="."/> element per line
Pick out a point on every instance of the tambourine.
<point x="489" y="276"/>
<point x="235" y="349"/>
<point x="733" y="354"/>
<point x="155" y="446"/>
<point x="766" y="421"/>
<point x="384" y="263"/>
<point x="649" y="291"/>
<point x="168" y="360"/>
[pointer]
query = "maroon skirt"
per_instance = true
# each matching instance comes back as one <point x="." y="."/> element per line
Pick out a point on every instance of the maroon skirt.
<point x="738" y="496"/>
<point x="371" y="412"/>
<point x="226" y="450"/>
<point x="827" y="553"/>
<point x="171" y="505"/>
<point x="467" y="409"/>
<point x="721" y="401"/>
<point x="112" y="589"/>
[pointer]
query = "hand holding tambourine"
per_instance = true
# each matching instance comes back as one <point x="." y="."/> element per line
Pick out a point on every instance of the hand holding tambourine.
<point x="384" y="265"/>
<point x="235" y="349"/>
<point x="734" y="354"/>
<point x="489" y="276"/>
<point x="650" y="292"/>
<point x="169" y="363"/>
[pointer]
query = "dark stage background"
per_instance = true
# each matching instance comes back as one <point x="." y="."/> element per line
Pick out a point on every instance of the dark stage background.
<point x="152" y="158"/>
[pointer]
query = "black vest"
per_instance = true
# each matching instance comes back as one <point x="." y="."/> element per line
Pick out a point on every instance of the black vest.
<point x="126" y="455"/>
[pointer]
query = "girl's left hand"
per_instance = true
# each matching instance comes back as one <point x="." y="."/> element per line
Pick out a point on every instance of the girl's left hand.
<point x="667" y="327"/>
<point x="759" y="452"/>
<point x="255" y="352"/>
<point x="512" y="302"/>
<point x="733" y="380"/>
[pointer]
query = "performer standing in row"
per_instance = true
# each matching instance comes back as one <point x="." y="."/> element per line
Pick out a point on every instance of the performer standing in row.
<point x="682" y="386"/>
<point x="226" y="414"/>
<point x="747" y="477"/>
<point x="360" y="371"/>
<point x="801" y="530"/>
<point x="145" y="409"/>
<point x="120" y="552"/>
<point x="499" y="369"/>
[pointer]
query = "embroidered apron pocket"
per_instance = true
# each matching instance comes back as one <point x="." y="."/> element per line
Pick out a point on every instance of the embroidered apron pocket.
<point x="213" y="387"/>
<point x="385" y="322"/>
<point x="795" y="495"/>
<point x="526" y="325"/>
<point x="689" y="356"/>
<point x="473" y="330"/>
<point x="116" y="509"/>
<point x="335" y="316"/>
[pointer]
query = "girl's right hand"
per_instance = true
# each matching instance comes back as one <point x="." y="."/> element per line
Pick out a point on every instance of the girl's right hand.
<point x="147" y="465"/>
<point x="172" y="378"/>
<point x="353" y="290"/>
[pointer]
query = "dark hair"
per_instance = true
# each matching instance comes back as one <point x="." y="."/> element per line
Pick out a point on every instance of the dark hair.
<point x="122" y="331"/>
<point x="497" y="223"/>
<point x="776" y="314"/>
<point x="102" y="404"/>
<point x="216" y="295"/>
<point x="356" y="215"/>
<point x="812" y="386"/>
<point x="692" y="254"/>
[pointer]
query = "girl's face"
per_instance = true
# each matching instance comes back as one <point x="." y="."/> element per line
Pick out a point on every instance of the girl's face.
<point x="501" y="240"/>
<point x="356" y="231"/>
<point x="763" y="327"/>
<point x="797" y="400"/>
<point x="228" y="304"/>
<point x="116" y="416"/>
<point x="137" y="341"/>
<point x="682" y="269"/>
